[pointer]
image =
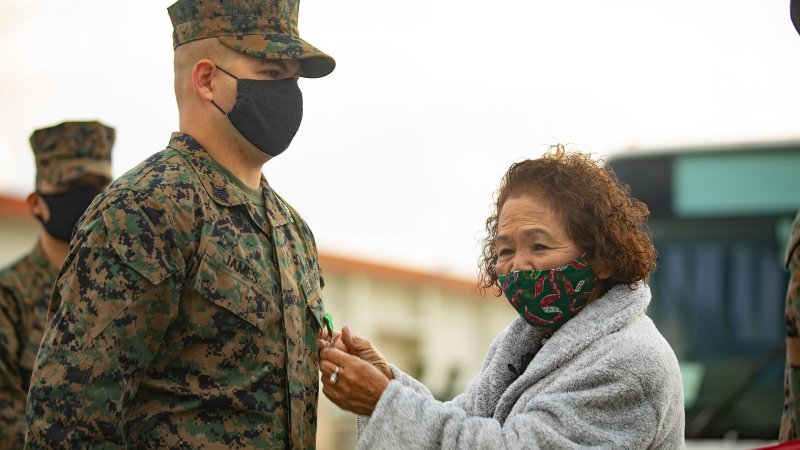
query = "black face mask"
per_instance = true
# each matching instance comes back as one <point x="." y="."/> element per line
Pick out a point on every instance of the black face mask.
<point x="267" y="112"/>
<point x="65" y="210"/>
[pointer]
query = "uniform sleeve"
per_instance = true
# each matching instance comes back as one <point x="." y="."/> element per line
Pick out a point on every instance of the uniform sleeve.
<point x="792" y="245"/>
<point x="791" y="406"/>
<point x="12" y="397"/>
<point x="115" y="297"/>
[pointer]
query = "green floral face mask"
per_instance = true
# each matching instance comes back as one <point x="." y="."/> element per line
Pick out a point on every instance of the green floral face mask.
<point x="547" y="299"/>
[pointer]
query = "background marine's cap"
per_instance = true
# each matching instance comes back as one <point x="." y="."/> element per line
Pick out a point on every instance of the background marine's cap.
<point x="794" y="12"/>
<point x="69" y="150"/>
<point x="260" y="28"/>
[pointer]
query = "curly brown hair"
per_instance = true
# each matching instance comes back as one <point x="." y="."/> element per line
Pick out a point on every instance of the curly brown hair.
<point x="596" y="209"/>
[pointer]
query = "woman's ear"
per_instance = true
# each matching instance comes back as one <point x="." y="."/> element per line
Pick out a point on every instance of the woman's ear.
<point x="601" y="268"/>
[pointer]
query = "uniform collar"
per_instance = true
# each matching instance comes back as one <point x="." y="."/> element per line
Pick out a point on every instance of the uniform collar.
<point x="220" y="188"/>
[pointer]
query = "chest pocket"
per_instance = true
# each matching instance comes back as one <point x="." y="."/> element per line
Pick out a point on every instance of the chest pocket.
<point x="227" y="281"/>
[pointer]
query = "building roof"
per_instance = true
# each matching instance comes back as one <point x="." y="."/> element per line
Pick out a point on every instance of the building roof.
<point x="333" y="264"/>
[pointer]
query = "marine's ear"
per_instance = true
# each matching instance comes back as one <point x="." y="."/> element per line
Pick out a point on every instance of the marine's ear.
<point x="202" y="76"/>
<point x="37" y="206"/>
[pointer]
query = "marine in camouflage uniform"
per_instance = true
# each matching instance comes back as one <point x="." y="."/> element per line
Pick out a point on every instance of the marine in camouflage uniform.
<point x="187" y="313"/>
<point x="65" y="155"/>
<point x="788" y="430"/>
<point x="791" y="379"/>
<point x="25" y="289"/>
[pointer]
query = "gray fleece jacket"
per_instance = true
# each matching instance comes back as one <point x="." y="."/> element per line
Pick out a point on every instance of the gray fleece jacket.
<point x="606" y="379"/>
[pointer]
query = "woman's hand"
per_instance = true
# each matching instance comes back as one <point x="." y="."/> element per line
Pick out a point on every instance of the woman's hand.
<point x="324" y="340"/>
<point x="358" y="346"/>
<point x="356" y="386"/>
<point x="348" y="342"/>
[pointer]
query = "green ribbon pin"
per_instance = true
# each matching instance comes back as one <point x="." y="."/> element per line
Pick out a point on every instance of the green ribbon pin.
<point x="328" y="320"/>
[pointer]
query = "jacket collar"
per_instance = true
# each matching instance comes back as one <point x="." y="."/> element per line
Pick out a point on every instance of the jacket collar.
<point x="606" y="315"/>
<point x="222" y="190"/>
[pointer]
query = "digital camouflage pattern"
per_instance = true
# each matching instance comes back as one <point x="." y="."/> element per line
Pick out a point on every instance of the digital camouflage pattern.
<point x="183" y="318"/>
<point x="63" y="153"/>
<point x="264" y="29"/>
<point x="791" y="404"/>
<point x="70" y="150"/>
<point x="25" y="288"/>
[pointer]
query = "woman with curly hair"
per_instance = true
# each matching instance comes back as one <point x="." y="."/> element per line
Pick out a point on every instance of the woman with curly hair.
<point x="582" y="365"/>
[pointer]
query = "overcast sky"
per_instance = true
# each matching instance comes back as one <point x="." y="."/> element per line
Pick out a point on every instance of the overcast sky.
<point x="402" y="147"/>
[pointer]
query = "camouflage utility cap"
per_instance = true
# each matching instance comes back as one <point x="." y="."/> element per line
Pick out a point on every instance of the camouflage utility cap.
<point x="70" y="150"/>
<point x="260" y="28"/>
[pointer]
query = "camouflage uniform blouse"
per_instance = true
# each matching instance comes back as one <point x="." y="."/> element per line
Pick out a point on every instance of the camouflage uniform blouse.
<point x="183" y="318"/>
<point x="25" y="289"/>
<point x="788" y="430"/>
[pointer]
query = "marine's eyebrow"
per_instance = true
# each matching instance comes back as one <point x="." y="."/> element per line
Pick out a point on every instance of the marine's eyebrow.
<point x="283" y="64"/>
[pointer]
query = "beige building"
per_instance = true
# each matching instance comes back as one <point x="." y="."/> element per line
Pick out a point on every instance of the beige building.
<point x="435" y="328"/>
